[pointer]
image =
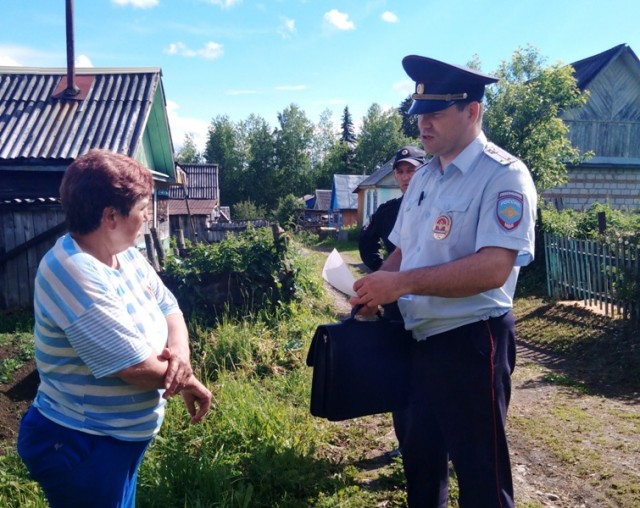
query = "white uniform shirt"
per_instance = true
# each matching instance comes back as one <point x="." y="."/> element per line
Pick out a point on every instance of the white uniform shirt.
<point x="485" y="198"/>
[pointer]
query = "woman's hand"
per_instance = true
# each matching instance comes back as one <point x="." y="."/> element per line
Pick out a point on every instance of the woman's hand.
<point x="178" y="373"/>
<point x="197" y="398"/>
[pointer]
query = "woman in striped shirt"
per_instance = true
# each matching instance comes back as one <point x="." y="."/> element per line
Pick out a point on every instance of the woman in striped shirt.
<point x="111" y="343"/>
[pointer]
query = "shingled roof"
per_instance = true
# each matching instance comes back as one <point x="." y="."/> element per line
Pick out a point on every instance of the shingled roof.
<point x="118" y="109"/>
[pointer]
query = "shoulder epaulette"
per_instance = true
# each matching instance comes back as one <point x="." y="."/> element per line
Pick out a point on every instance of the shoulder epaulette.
<point x="499" y="155"/>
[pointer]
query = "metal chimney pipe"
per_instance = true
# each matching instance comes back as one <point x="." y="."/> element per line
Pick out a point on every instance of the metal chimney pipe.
<point x="71" y="90"/>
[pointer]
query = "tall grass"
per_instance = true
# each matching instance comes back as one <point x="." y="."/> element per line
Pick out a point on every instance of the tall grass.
<point x="259" y="446"/>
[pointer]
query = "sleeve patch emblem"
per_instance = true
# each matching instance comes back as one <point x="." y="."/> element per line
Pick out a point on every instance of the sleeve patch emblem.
<point x="509" y="209"/>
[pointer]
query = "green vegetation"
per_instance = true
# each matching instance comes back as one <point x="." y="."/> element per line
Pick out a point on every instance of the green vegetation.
<point x="260" y="447"/>
<point x="620" y="224"/>
<point x="15" y="335"/>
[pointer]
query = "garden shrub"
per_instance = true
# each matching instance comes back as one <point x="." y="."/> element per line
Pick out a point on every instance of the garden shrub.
<point x="247" y="271"/>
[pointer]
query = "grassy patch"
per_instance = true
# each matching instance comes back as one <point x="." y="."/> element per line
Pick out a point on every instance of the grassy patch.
<point x="599" y="354"/>
<point x="16" y="348"/>
<point x="261" y="448"/>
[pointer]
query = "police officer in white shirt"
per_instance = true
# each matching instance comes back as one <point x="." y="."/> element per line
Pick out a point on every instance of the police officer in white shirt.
<point x="465" y="227"/>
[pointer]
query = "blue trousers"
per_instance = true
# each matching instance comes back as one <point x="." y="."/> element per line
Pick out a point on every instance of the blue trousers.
<point x="76" y="469"/>
<point x="458" y="409"/>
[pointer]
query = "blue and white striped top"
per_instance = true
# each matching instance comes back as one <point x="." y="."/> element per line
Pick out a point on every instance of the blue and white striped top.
<point x="92" y="321"/>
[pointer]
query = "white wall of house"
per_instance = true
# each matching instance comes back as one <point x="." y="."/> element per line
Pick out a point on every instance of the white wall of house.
<point x="374" y="197"/>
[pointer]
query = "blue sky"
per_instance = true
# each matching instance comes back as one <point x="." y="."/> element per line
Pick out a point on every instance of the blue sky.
<point x="238" y="57"/>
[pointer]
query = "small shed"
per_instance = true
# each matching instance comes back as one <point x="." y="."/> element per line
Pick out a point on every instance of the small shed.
<point x="316" y="208"/>
<point x="343" y="207"/>
<point x="43" y="128"/>
<point x="609" y="126"/>
<point x="194" y="206"/>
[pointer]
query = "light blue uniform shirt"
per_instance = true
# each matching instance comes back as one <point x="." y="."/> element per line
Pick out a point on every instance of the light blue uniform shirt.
<point x="485" y="198"/>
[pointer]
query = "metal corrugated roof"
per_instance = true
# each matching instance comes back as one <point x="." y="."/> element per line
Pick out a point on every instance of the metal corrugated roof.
<point x="202" y="182"/>
<point x="377" y="175"/>
<point x="33" y="125"/>
<point x="194" y="207"/>
<point x="342" y="197"/>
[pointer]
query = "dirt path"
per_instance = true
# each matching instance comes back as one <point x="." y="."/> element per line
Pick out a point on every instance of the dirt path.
<point x="557" y="462"/>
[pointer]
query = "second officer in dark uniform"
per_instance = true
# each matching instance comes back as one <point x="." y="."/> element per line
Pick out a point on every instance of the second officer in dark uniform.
<point x="376" y="233"/>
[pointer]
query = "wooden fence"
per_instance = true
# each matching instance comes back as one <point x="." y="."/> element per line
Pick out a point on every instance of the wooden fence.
<point x="606" y="275"/>
<point x="27" y="232"/>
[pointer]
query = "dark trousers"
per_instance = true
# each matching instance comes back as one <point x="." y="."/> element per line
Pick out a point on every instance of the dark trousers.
<point x="392" y="313"/>
<point x="76" y="469"/>
<point x="458" y="409"/>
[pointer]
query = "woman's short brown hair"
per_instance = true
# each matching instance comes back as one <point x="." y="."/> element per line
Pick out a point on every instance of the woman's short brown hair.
<point x="100" y="179"/>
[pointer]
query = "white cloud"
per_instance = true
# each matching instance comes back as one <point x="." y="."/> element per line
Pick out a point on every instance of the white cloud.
<point x="338" y="20"/>
<point x="210" y="51"/>
<point x="138" y="4"/>
<point x="225" y="4"/>
<point x="404" y="87"/>
<point x="7" y="61"/>
<point x="291" y="88"/>
<point x="287" y="28"/>
<point x="19" y="56"/>
<point x="83" y="61"/>
<point x="181" y="126"/>
<point x="389" y="17"/>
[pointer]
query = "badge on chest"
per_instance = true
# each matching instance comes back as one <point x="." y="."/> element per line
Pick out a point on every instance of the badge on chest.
<point x="442" y="227"/>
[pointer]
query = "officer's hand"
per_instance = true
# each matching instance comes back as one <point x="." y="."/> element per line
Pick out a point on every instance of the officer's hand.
<point x="375" y="289"/>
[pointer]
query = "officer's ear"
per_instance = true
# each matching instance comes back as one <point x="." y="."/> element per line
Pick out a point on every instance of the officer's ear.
<point x="474" y="110"/>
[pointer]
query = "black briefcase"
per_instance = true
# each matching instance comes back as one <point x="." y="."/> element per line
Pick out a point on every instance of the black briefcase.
<point x="360" y="367"/>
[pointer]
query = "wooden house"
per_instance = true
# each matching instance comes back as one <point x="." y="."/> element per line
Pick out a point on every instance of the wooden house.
<point x="609" y="126"/>
<point x="343" y="207"/>
<point x="316" y="208"/>
<point x="377" y="188"/>
<point x="48" y="117"/>
<point x="195" y="205"/>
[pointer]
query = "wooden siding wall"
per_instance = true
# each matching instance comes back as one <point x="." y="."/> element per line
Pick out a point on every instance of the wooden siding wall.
<point x="183" y="222"/>
<point x="609" y="124"/>
<point x="18" y="225"/>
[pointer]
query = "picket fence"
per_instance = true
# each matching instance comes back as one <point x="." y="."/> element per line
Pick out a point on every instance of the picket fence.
<point x="605" y="275"/>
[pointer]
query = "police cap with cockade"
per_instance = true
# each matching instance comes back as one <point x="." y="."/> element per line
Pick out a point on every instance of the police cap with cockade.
<point x="440" y="85"/>
<point x="411" y="154"/>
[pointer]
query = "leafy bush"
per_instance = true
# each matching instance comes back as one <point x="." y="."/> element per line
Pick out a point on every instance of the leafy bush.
<point x="287" y="212"/>
<point x="245" y="273"/>
<point x="247" y="210"/>
<point x="584" y="225"/>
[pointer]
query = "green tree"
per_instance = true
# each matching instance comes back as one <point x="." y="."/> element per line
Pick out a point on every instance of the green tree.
<point x="286" y="213"/>
<point x="324" y="138"/>
<point x="333" y="164"/>
<point x="347" y="130"/>
<point x="224" y="147"/>
<point x="522" y="115"/>
<point x="260" y="179"/>
<point x="380" y="138"/>
<point x="348" y="140"/>
<point x="188" y="153"/>
<point x="409" y="122"/>
<point x="292" y="150"/>
<point x="247" y="210"/>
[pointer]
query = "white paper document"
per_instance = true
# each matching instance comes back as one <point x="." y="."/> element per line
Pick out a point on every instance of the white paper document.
<point x="337" y="273"/>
